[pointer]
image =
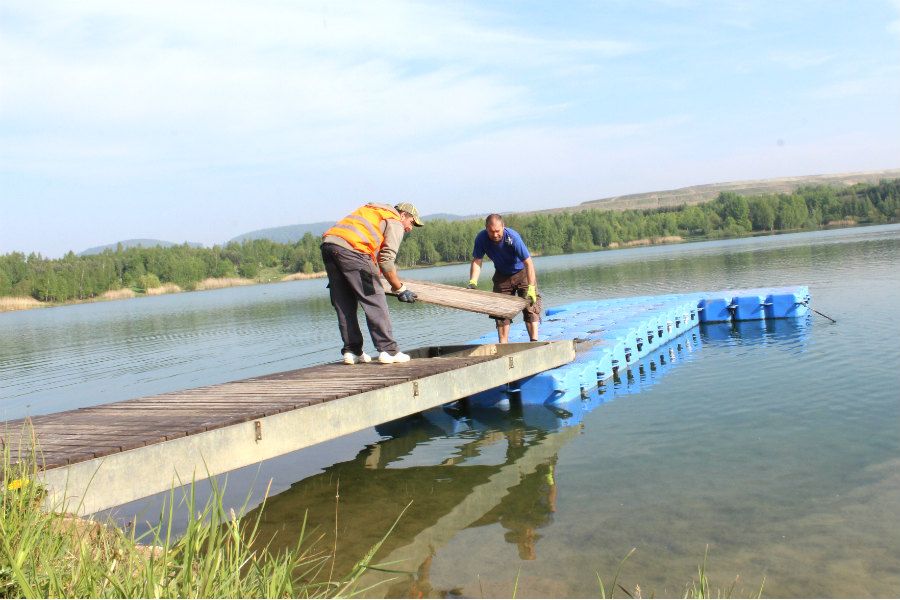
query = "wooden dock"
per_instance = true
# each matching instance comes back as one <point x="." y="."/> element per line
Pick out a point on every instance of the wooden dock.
<point x="98" y="457"/>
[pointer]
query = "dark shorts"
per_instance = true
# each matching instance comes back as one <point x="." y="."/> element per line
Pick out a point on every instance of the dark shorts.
<point x="516" y="285"/>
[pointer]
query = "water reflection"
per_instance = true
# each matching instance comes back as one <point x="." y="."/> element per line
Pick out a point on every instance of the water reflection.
<point x="464" y="466"/>
<point x="498" y="468"/>
<point x="777" y="332"/>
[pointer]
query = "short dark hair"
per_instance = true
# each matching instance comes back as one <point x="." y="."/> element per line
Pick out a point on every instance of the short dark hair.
<point x="493" y="218"/>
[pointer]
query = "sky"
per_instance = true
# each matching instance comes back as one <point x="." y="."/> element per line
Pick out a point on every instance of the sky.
<point x="193" y="120"/>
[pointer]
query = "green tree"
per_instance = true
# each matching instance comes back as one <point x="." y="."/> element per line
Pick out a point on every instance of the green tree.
<point x="582" y="240"/>
<point x="762" y="214"/>
<point x="248" y="270"/>
<point x="792" y="212"/>
<point x="148" y="281"/>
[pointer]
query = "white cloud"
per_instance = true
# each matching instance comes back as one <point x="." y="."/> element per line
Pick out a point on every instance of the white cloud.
<point x="224" y="80"/>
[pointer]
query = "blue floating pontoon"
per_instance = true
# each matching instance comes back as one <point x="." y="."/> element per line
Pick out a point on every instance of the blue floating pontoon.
<point x="637" y="337"/>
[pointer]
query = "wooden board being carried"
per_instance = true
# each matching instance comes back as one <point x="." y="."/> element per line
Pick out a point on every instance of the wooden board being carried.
<point x="478" y="301"/>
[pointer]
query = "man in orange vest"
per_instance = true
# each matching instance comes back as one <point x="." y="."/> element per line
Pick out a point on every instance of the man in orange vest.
<point x="356" y="250"/>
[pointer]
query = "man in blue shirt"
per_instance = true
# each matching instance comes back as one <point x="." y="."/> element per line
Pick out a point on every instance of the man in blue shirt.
<point x="513" y="272"/>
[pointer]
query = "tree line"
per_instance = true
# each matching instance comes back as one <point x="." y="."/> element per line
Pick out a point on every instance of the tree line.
<point x="729" y="215"/>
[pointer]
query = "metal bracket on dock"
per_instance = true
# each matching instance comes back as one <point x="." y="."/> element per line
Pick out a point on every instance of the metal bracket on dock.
<point x="415" y="388"/>
<point x="258" y="427"/>
<point x="512" y="362"/>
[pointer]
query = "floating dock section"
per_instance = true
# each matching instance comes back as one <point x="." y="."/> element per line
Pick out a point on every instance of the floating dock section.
<point x="615" y="334"/>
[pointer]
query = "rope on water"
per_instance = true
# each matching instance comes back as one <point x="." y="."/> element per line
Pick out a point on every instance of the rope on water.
<point x="806" y="304"/>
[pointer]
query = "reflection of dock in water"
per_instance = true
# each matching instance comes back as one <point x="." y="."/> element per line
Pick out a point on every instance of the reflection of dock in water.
<point x="484" y="477"/>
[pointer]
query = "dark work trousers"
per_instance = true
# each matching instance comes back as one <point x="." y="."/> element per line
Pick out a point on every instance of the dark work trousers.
<point x="353" y="279"/>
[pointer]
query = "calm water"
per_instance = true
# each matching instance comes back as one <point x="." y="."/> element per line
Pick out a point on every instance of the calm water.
<point x="778" y="448"/>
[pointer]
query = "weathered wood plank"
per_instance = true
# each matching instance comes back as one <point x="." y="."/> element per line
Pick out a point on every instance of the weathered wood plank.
<point x="478" y="301"/>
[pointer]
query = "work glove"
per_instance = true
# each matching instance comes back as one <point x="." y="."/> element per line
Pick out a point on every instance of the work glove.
<point x="473" y="284"/>
<point x="531" y="294"/>
<point x="404" y="294"/>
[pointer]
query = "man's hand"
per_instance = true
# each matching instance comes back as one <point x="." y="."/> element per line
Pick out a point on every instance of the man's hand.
<point x="473" y="284"/>
<point x="531" y="294"/>
<point x="404" y="294"/>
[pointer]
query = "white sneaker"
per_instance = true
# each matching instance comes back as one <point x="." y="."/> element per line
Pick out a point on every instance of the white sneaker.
<point x="386" y="359"/>
<point x="352" y="359"/>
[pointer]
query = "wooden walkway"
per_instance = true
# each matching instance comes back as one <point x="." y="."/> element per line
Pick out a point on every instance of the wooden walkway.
<point x="210" y="430"/>
<point x="92" y="432"/>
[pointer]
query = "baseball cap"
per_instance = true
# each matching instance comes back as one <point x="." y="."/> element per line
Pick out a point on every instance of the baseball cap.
<point x="409" y="208"/>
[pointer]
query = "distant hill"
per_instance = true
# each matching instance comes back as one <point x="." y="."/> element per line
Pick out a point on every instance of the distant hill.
<point x="135" y="244"/>
<point x="288" y="234"/>
<point x="658" y="199"/>
<point x="703" y="193"/>
<point x="664" y="198"/>
<point x="448" y="217"/>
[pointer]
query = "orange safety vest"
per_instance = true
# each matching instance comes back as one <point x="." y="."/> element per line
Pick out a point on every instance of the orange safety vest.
<point x="362" y="228"/>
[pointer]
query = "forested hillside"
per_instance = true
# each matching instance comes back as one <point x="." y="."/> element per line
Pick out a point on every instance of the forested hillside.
<point x="729" y="215"/>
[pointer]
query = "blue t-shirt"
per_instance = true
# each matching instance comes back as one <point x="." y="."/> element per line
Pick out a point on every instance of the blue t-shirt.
<point x="507" y="255"/>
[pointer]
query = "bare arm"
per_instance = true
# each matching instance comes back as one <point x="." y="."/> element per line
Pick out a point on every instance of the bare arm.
<point x="530" y="272"/>
<point x="475" y="269"/>
<point x="393" y="279"/>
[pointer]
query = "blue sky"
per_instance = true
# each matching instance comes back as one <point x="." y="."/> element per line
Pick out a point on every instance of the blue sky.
<point x="199" y="121"/>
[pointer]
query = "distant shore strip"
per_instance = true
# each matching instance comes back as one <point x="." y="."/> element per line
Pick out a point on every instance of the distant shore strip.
<point x="11" y="303"/>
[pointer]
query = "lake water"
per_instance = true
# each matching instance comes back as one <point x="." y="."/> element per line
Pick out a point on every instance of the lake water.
<point x="777" y="449"/>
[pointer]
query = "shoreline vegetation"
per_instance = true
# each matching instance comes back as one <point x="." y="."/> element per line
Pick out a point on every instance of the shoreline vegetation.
<point x="33" y="281"/>
<point x="11" y="303"/>
<point x="46" y="552"/>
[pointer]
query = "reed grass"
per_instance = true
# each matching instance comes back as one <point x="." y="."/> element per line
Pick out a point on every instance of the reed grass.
<point x="300" y="276"/>
<point x="121" y="294"/>
<point x="166" y="288"/>
<point x="49" y="554"/>
<point x="216" y="283"/>
<point x="8" y="303"/>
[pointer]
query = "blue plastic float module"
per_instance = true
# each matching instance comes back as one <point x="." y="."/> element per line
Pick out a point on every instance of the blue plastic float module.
<point x="492" y="410"/>
<point x="617" y="333"/>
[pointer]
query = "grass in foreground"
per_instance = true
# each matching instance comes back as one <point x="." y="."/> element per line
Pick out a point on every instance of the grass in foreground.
<point x="48" y="554"/>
